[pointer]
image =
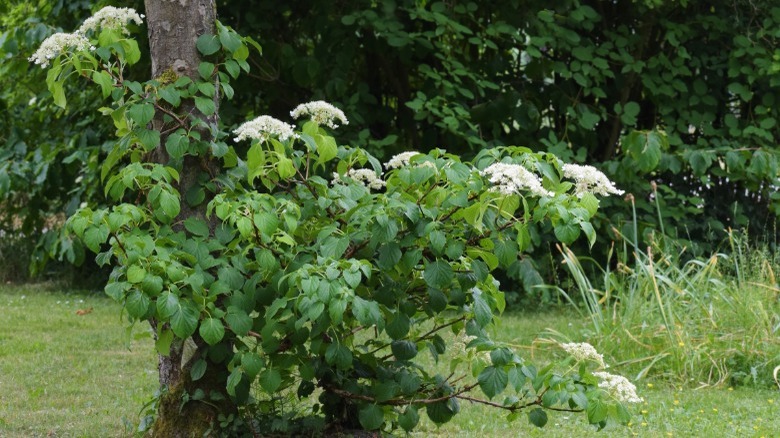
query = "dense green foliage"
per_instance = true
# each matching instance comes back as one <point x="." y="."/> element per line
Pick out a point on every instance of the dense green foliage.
<point x="268" y="268"/>
<point x="681" y="94"/>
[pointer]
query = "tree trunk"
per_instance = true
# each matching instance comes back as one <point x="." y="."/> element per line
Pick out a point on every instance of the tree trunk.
<point x="174" y="27"/>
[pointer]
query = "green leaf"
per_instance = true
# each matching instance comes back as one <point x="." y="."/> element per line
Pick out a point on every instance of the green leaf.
<point x="438" y="274"/>
<point x="597" y="411"/>
<point x="371" y="417"/>
<point x="438" y="239"/>
<point x="208" y="44"/>
<point x="163" y="342"/>
<point x="482" y="312"/>
<point x="170" y="94"/>
<point x="442" y="412"/>
<point x="96" y="236"/>
<point x="339" y="355"/>
<point x="398" y="327"/>
<point x="229" y="40"/>
<point x="205" y="105"/>
<point x="141" y="113"/>
<point x="492" y="381"/>
<point x="212" y="330"/>
<point x="537" y="417"/>
<point x="177" y="145"/>
<point x="252" y="364"/>
<point x="566" y="232"/>
<point x="238" y="321"/>
<point x="197" y="226"/>
<point x="149" y="138"/>
<point x="137" y="304"/>
<point x="205" y="69"/>
<point x="167" y="305"/>
<point x="198" y="369"/>
<point x="185" y="320"/>
<point x="135" y="274"/>
<point x="404" y="350"/>
<point x="270" y="380"/>
<point x="117" y="290"/>
<point x="629" y="114"/>
<point x="409" y="419"/>
<point x="105" y="81"/>
<point x="58" y="93"/>
<point x="169" y="203"/>
<point x="234" y="379"/>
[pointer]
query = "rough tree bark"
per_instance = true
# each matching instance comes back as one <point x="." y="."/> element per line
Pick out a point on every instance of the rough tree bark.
<point x="174" y="27"/>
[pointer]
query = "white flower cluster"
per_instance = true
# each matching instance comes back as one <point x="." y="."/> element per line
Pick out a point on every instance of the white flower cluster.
<point x="590" y="180"/>
<point x="108" y="17"/>
<point x="54" y="45"/>
<point x="264" y="127"/>
<point x="584" y="351"/>
<point x="111" y="18"/>
<point x="321" y="112"/>
<point x="400" y="160"/>
<point x="513" y="179"/>
<point x="618" y="387"/>
<point x="367" y="177"/>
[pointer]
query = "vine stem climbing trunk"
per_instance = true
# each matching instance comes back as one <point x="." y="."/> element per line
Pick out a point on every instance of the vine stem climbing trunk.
<point x="174" y="27"/>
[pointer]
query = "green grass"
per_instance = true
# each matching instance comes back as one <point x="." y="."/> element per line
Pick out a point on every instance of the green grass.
<point x="62" y="374"/>
<point x="67" y="375"/>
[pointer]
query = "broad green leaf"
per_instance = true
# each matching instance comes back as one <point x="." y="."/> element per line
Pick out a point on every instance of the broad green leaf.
<point x="197" y="226"/>
<point x="208" y="44"/>
<point x="205" y="105"/>
<point x="404" y="350"/>
<point x="238" y="321"/>
<point x="135" y="274"/>
<point x="270" y="380"/>
<point x="409" y="418"/>
<point x="537" y="417"/>
<point x="137" y="304"/>
<point x="252" y="364"/>
<point x="141" y="113"/>
<point x="198" y="369"/>
<point x="185" y="320"/>
<point x="438" y="274"/>
<point x="167" y="305"/>
<point x="339" y="355"/>
<point x="371" y="417"/>
<point x="163" y="342"/>
<point x="212" y="330"/>
<point x="492" y="380"/>
<point x="482" y="312"/>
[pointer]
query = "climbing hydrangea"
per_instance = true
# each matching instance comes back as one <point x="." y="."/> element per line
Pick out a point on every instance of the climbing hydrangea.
<point x="400" y="160"/>
<point x="264" y="127"/>
<point x="111" y="18"/>
<point x="321" y="113"/>
<point x="588" y="179"/>
<point x="618" y="387"/>
<point x="514" y="179"/>
<point x="584" y="351"/>
<point x="367" y="177"/>
<point x="56" y="44"/>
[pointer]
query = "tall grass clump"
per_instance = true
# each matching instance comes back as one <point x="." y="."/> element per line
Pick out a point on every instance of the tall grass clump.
<point x="691" y="321"/>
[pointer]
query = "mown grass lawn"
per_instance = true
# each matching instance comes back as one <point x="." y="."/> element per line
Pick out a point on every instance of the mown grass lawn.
<point x="68" y="375"/>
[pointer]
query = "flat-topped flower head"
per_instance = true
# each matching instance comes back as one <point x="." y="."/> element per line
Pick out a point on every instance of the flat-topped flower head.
<point x="264" y="127"/>
<point x="321" y="113"/>
<point x="367" y="177"/>
<point x="588" y="179"/>
<point x="56" y="44"/>
<point x="584" y="351"/>
<point x="618" y="387"/>
<point x="400" y="160"/>
<point x="514" y="179"/>
<point x="111" y="18"/>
